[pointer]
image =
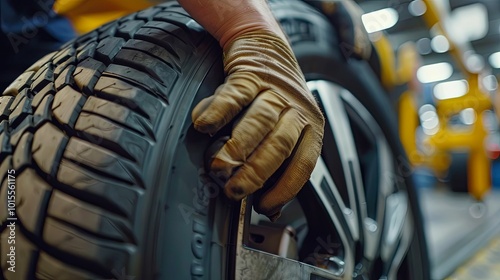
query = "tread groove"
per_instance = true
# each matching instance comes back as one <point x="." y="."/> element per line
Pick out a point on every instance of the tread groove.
<point x="90" y="233"/>
<point x="63" y="256"/>
<point x="80" y="127"/>
<point x="130" y="120"/>
<point x="131" y="76"/>
<point x="86" y="182"/>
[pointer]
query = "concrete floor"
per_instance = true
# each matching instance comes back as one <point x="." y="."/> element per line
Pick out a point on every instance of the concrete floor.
<point x="457" y="228"/>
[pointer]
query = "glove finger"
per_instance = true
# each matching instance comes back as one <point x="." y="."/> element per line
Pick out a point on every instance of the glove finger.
<point x="293" y="178"/>
<point x="259" y="120"/>
<point x="267" y="158"/>
<point x="214" y="112"/>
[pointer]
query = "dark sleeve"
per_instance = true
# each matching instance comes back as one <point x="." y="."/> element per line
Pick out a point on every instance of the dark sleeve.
<point x="31" y="7"/>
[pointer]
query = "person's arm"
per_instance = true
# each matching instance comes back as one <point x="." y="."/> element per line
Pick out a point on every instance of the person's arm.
<point x="281" y="119"/>
<point x="227" y="19"/>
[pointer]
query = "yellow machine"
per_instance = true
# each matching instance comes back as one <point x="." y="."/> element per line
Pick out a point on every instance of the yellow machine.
<point x="86" y="15"/>
<point x="446" y="139"/>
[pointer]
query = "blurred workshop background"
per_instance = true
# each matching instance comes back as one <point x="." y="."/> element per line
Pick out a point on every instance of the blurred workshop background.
<point x="452" y="140"/>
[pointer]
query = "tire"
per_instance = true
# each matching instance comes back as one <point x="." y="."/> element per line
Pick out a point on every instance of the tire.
<point x="109" y="173"/>
<point x="91" y="132"/>
<point x="457" y="173"/>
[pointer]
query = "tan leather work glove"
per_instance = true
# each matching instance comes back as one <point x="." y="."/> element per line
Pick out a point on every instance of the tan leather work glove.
<point x="280" y="115"/>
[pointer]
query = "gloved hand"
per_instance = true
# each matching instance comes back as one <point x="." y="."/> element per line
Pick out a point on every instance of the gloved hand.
<point x="280" y="115"/>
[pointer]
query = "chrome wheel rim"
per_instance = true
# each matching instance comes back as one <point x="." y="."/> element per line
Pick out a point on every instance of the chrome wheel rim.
<point x="374" y="228"/>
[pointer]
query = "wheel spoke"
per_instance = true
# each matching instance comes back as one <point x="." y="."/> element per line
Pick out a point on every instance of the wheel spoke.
<point x="343" y="218"/>
<point x="395" y="219"/>
<point x="329" y="96"/>
<point x="385" y="168"/>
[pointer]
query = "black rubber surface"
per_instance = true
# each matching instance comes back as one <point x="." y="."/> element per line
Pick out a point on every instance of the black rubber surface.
<point x="84" y="129"/>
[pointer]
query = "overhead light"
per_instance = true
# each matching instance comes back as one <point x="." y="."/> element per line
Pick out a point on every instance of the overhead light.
<point x="429" y="119"/>
<point x="467" y="23"/>
<point x="434" y="72"/>
<point x="380" y="19"/>
<point x="417" y="8"/>
<point x="490" y="83"/>
<point x="440" y="44"/>
<point x="468" y="116"/>
<point x="425" y="108"/>
<point x="494" y="60"/>
<point x="451" y="89"/>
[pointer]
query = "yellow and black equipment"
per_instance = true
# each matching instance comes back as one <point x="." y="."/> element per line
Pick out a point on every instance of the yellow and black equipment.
<point x="87" y="15"/>
<point x="446" y="139"/>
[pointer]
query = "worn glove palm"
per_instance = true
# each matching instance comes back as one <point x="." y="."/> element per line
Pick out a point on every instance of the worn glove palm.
<point x="281" y="117"/>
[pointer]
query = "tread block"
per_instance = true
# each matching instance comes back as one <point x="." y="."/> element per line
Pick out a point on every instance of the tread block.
<point x="103" y="191"/>
<point x="167" y="56"/>
<point x="168" y="27"/>
<point x="51" y="268"/>
<point x="43" y="68"/>
<point x="107" y="26"/>
<point x="126" y="18"/>
<point x="5" y="104"/>
<point x="87" y="73"/>
<point x="128" y="95"/>
<point x="136" y="77"/>
<point x="16" y="134"/>
<point x="46" y="77"/>
<point x="148" y="14"/>
<point x="159" y="70"/>
<point x="86" y="38"/>
<point x="48" y="90"/>
<point x="5" y="147"/>
<point x="176" y="15"/>
<point x="20" y="97"/>
<point x="48" y="146"/>
<point x="159" y="37"/>
<point x="19" y="84"/>
<point x="187" y="29"/>
<point x="108" y="48"/>
<point x="67" y="105"/>
<point x="86" y="52"/>
<point x="66" y="78"/>
<point x="127" y="29"/>
<point x="104" y="255"/>
<point x="119" y="114"/>
<point x="4" y="127"/>
<point x="32" y="198"/>
<point x="89" y="218"/>
<point x="20" y="112"/>
<point x="26" y="255"/>
<point x="110" y="31"/>
<point x="63" y="55"/>
<point x="22" y="155"/>
<point x="103" y="161"/>
<point x="176" y="8"/>
<point x="60" y="68"/>
<point x="42" y="61"/>
<point x="43" y="112"/>
<point x="112" y="136"/>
